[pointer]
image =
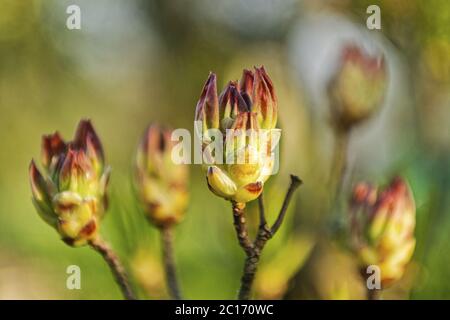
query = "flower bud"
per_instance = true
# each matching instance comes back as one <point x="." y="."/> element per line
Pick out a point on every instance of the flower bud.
<point x="382" y="228"/>
<point x="244" y="109"/>
<point x="264" y="100"/>
<point x="162" y="184"/>
<point x="247" y="82"/>
<point x="53" y="147"/>
<point x="231" y="104"/>
<point x="358" y="88"/>
<point x="207" y="110"/>
<point x="71" y="196"/>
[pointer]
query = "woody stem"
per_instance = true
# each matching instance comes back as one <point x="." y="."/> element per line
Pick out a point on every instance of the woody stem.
<point x="254" y="249"/>
<point x="169" y="262"/>
<point x="252" y="259"/>
<point x="295" y="183"/>
<point x="117" y="269"/>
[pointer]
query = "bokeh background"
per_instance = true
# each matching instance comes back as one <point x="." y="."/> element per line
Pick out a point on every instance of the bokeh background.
<point x="135" y="62"/>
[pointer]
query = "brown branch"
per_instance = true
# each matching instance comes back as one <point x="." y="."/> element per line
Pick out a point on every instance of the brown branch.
<point x="264" y="231"/>
<point x="169" y="263"/>
<point x="295" y="183"/>
<point x="248" y="276"/>
<point x="254" y="250"/>
<point x="262" y="210"/>
<point x="240" y="225"/>
<point x="114" y="264"/>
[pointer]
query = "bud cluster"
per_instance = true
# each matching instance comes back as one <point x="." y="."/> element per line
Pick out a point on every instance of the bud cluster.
<point x="70" y="194"/>
<point x="245" y="115"/>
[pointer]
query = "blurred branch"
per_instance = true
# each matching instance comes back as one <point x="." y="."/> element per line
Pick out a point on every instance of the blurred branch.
<point x="169" y="263"/>
<point x="339" y="164"/>
<point x="117" y="269"/>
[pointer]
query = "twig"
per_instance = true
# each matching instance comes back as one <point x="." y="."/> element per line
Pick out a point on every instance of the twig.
<point x="116" y="267"/>
<point x="252" y="259"/>
<point x="264" y="231"/>
<point x="169" y="263"/>
<point x="248" y="275"/>
<point x="295" y="183"/>
<point x="240" y="226"/>
<point x="262" y="210"/>
<point x="253" y="250"/>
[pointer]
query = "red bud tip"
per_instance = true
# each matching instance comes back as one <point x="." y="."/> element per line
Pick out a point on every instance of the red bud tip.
<point x="246" y="82"/>
<point x="85" y="131"/>
<point x="208" y="106"/>
<point x="52" y="145"/>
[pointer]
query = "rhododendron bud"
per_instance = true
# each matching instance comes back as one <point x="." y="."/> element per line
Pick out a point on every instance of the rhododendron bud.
<point x="382" y="228"/>
<point x="358" y="88"/>
<point x="207" y="110"/>
<point x="265" y="103"/>
<point x="247" y="115"/>
<point x="161" y="183"/>
<point x="71" y="194"/>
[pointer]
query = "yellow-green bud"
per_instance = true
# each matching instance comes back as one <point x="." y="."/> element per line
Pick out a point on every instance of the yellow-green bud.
<point x="245" y="115"/>
<point x="161" y="183"/>
<point x="382" y="228"/>
<point x="71" y="195"/>
<point x="358" y="88"/>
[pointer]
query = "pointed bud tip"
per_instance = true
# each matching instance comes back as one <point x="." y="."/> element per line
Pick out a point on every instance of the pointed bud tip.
<point x="37" y="182"/>
<point x="85" y="134"/>
<point x="399" y="188"/>
<point x="207" y="109"/>
<point x="211" y="75"/>
<point x="156" y="138"/>
<point x="32" y="168"/>
<point x="52" y="146"/>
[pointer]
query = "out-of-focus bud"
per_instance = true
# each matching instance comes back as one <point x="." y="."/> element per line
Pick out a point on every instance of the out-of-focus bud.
<point x="148" y="271"/>
<point x="247" y="115"/>
<point x="382" y="228"/>
<point x="358" y="88"/>
<point x="71" y="195"/>
<point x="161" y="183"/>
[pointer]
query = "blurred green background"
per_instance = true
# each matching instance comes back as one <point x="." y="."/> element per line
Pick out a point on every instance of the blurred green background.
<point x="135" y="62"/>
